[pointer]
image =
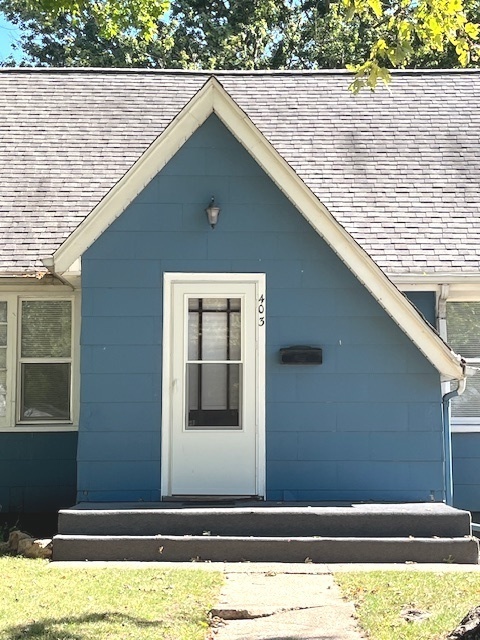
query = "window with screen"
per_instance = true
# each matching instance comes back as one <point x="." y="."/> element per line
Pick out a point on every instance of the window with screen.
<point x="463" y="335"/>
<point x="3" y="358"/>
<point x="45" y="361"/>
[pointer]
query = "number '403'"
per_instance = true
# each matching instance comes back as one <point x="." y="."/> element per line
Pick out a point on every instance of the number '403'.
<point x="261" y="310"/>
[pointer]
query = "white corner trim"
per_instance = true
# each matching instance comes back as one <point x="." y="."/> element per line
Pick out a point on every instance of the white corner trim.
<point x="212" y="98"/>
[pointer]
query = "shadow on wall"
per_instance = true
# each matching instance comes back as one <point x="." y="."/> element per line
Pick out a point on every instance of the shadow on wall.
<point x="39" y="525"/>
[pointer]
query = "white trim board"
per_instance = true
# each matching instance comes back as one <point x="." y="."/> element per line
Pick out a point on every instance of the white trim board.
<point x="464" y="428"/>
<point x="212" y="98"/>
<point x="458" y="291"/>
<point x="427" y="280"/>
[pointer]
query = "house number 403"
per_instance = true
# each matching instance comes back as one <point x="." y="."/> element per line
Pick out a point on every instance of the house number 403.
<point x="261" y="310"/>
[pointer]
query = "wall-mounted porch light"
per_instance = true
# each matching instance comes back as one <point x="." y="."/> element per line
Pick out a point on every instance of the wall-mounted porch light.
<point x="212" y="211"/>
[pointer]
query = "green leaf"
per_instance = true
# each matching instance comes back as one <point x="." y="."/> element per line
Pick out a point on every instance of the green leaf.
<point x="472" y="30"/>
<point x="376" y="7"/>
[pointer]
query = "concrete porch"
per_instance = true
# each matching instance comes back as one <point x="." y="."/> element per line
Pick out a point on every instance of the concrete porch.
<point x="244" y="530"/>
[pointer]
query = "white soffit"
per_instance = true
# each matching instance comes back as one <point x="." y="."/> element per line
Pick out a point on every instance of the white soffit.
<point x="463" y="287"/>
<point x="212" y="98"/>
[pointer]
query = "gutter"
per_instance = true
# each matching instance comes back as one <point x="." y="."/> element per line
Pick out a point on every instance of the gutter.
<point x="49" y="264"/>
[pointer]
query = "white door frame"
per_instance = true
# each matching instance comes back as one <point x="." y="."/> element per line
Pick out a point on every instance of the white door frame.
<point x="170" y="279"/>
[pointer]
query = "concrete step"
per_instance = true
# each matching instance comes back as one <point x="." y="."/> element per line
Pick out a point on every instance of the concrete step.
<point x="463" y="550"/>
<point x="268" y="520"/>
<point x="268" y="532"/>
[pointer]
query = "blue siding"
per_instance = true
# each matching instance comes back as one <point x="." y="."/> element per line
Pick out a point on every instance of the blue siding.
<point x="425" y="303"/>
<point x="466" y="459"/>
<point x="37" y="471"/>
<point x="365" y="425"/>
<point x="465" y="446"/>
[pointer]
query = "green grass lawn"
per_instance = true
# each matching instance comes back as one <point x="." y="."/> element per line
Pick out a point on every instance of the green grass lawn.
<point x="40" y="602"/>
<point x="382" y="598"/>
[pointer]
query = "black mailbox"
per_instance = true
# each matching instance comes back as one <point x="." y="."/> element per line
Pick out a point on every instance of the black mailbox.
<point x="301" y="355"/>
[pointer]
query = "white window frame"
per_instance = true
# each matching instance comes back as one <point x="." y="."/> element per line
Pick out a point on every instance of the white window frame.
<point x="34" y="360"/>
<point x="14" y="298"/>
<point x="5" y="348"/>
<point x="453" y="288"/>
<point x="464" y="425"/>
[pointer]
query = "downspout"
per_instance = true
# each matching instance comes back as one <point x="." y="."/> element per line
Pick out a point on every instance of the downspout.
<point x="447" y="438"/>
<point x="447" y="396"/>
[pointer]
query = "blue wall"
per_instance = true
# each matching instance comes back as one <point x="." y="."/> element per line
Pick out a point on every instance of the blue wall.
<point x="466" y="464"/>
<point x="425" y="303"/>
<point x="37" y="471"/>
<point x="365" y="425"/>
<point x="465" y="446"/>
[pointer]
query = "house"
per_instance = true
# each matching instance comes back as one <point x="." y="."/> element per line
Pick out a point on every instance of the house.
<point x="303" y="348"/>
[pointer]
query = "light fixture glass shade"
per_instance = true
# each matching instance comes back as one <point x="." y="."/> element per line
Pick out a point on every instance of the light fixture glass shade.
<point x="212" y="211"/>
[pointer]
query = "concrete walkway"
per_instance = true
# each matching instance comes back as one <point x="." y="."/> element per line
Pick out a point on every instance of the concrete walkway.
<point x="280" y="601"/>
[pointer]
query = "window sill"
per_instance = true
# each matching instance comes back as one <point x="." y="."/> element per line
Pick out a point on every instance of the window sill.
<point x="465" y="428"/>
<point x="31" y="428"/>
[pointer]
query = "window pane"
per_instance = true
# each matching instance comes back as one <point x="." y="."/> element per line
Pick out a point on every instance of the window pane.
<point x="214" y="336"/>
<point x="463" y="331"/>
<point x="3" y="394"/>
<point x="468" y="404"/>
<point x="235" y="336"/>
<point x="463" y="328"/>
<point x="45" y="391"/>
<point x="3" y="359"/>
<point x="214" y="304"/>
<point x="46" y="328"/>
<point x="214" y="329"/>
<point x="193" y="334"/>
<point x="213" y="395"/>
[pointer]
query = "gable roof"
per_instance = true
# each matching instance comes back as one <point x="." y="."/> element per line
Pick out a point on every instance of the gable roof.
<point x="398" y="169"/>
<point x="69" y="236"/>
<point x="212" y="98"/>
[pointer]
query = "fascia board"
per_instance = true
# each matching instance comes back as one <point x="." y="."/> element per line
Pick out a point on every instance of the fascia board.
<point x="213" y="98"/>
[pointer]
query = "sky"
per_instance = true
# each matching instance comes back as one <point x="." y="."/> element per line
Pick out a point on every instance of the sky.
<point x="8" y="33"/>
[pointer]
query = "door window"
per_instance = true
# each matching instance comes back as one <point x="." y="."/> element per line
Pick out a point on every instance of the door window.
<point x="214" y="363"/>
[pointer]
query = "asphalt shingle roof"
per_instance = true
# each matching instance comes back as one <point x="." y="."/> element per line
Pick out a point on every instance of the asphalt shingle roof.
<point x="399" y="169"/>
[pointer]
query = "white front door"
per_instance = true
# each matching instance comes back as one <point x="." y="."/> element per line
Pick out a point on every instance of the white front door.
<point x="213" y="391"/>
